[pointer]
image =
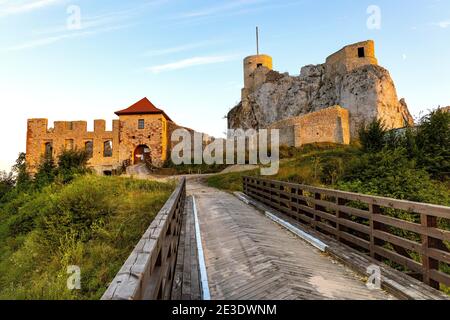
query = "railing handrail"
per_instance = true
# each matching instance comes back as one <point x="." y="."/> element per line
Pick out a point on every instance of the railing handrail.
<point x="365" y="229"/>
<point x="149" y="270"/>
<point x="418" y="207"/>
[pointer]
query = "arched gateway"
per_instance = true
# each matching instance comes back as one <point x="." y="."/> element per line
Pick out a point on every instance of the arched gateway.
<point x="142" y="154"/>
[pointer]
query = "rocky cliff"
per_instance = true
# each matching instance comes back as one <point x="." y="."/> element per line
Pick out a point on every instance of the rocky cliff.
<point x="367" y="91"/>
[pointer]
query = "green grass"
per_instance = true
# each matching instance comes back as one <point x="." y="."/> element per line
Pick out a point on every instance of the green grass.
<point x="93" y="222"/>
<point x="302" y="165"/>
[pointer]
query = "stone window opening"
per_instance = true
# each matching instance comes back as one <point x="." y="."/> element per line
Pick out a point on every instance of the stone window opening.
<point x="361" y="52"/>
<point x="70" y="125"/>
<point x="89" y="148"/>
<point x="259" y="65"/>
<point x="48" y="150"/>
<point x="69" y="144"/>
<point x="141" y="124"/>
<point x="107" y="149"/>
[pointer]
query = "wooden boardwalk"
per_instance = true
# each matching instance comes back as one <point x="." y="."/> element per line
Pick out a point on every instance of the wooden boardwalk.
<point x="250" y="257"/>
<point x="186" y="284"/>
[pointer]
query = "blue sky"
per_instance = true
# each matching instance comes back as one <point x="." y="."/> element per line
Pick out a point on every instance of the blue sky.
<point x="186" y="56"/>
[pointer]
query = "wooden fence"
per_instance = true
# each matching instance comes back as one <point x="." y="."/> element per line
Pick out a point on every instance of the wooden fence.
<point x="148" y="273"/>
<point x="412" y="236"/>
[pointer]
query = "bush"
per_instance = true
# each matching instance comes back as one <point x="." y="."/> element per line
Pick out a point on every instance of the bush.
<point x="433" y="143"/>
<point x="390" y="173"/>
<point x="7" y="182"/>
<point x="71" y="163"/>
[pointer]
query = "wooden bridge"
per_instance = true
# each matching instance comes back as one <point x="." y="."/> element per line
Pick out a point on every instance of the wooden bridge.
<point x="279" y="241"/>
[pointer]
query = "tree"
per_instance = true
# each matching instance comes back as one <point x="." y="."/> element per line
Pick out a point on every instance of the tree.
<point x="433" y="143"/>
<point x="46" y="172"/>
<point x="22" y="178"/>
<point x="72" y="162"/>
<point x="7" y="182"/>
<point x="372" y="136"/>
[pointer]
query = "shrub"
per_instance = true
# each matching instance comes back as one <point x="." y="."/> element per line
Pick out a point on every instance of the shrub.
<point x="433" y="143"/>
<point x="7" y="182"/>
<point x="72" y="162"/>
<point x="390" y="173"/>
<point x="372" y="136"/>
<point x="19" y="169"/>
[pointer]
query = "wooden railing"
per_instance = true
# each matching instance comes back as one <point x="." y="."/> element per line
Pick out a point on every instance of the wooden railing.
<point x="411" y="236"/>
<point x="148" y="272"/>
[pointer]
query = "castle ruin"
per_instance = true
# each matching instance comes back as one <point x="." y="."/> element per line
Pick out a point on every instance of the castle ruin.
<point x="141" y="134"/>
<point x="325" y="103"/>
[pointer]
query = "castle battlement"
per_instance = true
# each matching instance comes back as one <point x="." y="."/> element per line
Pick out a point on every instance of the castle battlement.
<point x="140" y="134"/>
<point x="67" y="127"/>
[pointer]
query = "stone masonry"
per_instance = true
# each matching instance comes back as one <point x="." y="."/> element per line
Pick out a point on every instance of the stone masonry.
<point x="327" y="125"/>
<point x="141" y="133"/>
<point x="350" y="78"/>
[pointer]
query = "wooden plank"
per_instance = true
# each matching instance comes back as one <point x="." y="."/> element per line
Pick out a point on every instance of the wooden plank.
<point x="411" y="264"/>
<point x="355" y="226"/>
<point x="405" y="243"/>
<point x="423" y="208"/>
<point x="440" y="277"/>
<point x="355" y="240"/>
<point x="439" y="255"/>
<point x="295" y="199"/>
<point x="153" y="261"/>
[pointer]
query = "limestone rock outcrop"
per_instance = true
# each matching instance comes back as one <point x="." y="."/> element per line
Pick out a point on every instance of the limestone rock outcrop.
<point x="351" y="78"/>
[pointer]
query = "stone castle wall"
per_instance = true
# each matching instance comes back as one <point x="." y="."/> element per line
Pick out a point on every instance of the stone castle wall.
<point x="125" y="138"/>
<point x="73" y="134"/>
<point x="153" y="135"/>
<point x="328" y="125"/>
<point x="350" y="78"/>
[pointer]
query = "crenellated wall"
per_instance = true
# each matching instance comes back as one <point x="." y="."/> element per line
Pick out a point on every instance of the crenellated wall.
<point x="72" y="134"/>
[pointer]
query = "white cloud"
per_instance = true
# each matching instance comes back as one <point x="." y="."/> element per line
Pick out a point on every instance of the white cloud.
<point x="7" y="8"/>
<point x="49" y="40"/>
<point x="444" y="24"/>
<point x="226" y="7"/>
<point x="181" y="48"/>
<point x="191" y="62"/>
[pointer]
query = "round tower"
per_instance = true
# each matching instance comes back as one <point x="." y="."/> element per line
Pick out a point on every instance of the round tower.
<point x="251" y="63"/>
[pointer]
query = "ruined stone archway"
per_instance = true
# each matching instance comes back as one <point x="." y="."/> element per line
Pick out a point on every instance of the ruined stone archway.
<point x="142" y="154"/>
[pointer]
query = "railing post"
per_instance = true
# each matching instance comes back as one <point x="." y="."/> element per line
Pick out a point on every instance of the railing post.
<point x="339" y="202"/>
<point x="428" y="263"/>
<point x="317" y="196"/>
<point x="373" y="210"/>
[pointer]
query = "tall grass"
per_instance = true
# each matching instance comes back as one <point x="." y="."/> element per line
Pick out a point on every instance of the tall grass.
<point x="93" y="222"/>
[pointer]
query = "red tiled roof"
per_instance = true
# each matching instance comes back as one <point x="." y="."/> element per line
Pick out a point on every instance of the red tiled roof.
<point x="143" y="106"/>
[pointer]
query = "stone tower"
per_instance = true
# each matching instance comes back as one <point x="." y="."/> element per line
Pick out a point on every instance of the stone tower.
<point x="252" y="79"/>
<point x="350" y="58"/>
<point x="350" y="78"/>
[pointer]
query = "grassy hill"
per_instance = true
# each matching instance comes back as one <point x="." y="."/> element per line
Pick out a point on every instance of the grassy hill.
<point x="92" y="222"/>
<point x="413" y="164"/>
<point x="388" y="173"/>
